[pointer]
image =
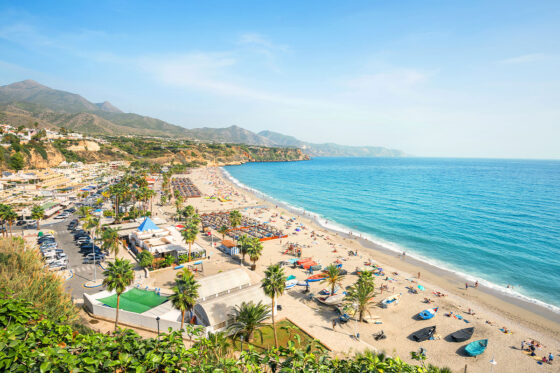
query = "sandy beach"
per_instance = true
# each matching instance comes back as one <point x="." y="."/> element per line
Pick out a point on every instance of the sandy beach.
<point x="489" y="311"/>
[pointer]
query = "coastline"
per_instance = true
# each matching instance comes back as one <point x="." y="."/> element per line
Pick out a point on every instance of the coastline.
<point x="526" y="312"/>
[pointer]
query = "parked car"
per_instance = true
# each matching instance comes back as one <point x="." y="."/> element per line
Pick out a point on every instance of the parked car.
<point x="93" y="261"/>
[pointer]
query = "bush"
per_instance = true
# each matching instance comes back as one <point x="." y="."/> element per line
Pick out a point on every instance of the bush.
<point x="17" y="161"/>
<point x="22" y="275"/>
<point x="108" y="213"/>
<point x="146" y="259"/>
<point x="33" y="343"/>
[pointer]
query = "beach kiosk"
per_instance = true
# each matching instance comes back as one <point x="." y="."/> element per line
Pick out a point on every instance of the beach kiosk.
<point x="229" y="247"/>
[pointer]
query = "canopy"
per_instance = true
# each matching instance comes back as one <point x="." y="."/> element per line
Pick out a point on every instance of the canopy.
<point x="147" y="225"/>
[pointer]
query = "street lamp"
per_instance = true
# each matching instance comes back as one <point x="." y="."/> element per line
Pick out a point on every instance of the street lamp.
<point x="242" y="338"/>
<point x="493" y="362"/>
<point x="157" y="319"/>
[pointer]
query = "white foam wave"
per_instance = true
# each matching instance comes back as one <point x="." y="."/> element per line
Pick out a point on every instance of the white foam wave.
<point x="391" y="246"/>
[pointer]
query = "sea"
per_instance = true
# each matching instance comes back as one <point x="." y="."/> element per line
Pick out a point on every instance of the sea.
<point x="492" y="220"/>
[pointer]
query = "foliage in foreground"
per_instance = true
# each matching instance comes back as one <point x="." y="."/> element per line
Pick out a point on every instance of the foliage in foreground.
<point x="22" y="274"/>
<point x="31" y="342"/>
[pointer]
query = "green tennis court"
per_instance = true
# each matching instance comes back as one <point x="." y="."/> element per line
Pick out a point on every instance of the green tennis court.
<point x="135" y="300"/>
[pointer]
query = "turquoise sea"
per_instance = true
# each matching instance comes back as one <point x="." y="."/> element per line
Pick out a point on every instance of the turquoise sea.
<point x="497" y="221"/>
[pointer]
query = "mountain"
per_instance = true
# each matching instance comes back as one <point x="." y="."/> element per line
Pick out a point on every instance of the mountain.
<point x="32" y="92"/>
<point x="107" y="106"/>
<point x="28" y="102"/>
<point x="232" y="134"/>
<point x="330" y="149"/>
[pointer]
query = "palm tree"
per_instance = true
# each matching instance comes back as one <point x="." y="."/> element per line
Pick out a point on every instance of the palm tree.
<point x="223" y="230"/>
<point x="360" y="295"/>
<point x="37" y="213"/>
<point x="274" y="284"/>
<point x="244" y="242"/>
<point x="248" y="318"/>
<point x="254" y="251"/>
<point x="118" y="276"/>
<point x="10" y="216"/>
<point x="189" y="236"/>
<point x="111" y="240"/>
<point x="4" y="209"/>
<point x="235" y="218"/>
<point x="333" y="277"/>
<point x="84" y="211"/>
<point x="185" y="293"/>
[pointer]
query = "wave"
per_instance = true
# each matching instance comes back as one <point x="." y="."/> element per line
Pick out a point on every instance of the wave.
<point x="333" y="226"/>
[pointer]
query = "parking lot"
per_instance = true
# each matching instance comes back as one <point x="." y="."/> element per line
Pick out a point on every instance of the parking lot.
<point x="82" y="272"/>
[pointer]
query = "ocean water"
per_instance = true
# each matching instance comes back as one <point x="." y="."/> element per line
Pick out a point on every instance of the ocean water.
<point x="496" y="221"/>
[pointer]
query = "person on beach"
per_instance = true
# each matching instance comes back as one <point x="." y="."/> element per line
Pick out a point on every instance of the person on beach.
<point x="418" y="275"/>
<point x="476" y="284"/>
<point x="522" y="345"/>
<point x="550" y="357"/>
<point x="466" y="286"/>
<point x="333" y="324"/>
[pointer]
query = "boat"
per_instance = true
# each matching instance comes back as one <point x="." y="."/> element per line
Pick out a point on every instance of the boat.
<point x="317" y="277"/>
<point x="328" y="291"/>
<point x="291" y="277"/>
<point x="428" y="314"/>
<point x="424" y="334"/>
<point x="462" y="335"/>
<point x="477" y="347"/>
<point x="332" y="300"/>
<point x="291" y="283"/>
<point x="302" y="283"/>
<point x="393" y="299"/>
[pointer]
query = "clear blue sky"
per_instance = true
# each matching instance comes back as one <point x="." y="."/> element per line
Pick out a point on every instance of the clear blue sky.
<point x="432" y="78"/>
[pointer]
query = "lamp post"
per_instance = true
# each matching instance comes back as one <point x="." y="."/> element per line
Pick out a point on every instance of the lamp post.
<point x="493" y="362"/>
<point x="242" y="338"/>
<point x="157" y="319"/>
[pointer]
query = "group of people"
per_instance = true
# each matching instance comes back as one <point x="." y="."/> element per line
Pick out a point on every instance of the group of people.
<point x="533" y="346"/>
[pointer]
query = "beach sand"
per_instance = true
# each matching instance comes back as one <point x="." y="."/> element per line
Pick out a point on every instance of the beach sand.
<point x="525" y="321"/>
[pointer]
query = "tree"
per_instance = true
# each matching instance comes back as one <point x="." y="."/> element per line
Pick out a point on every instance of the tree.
<point x="84" y="211"/>
<point x="360" y="295"/>
<point x="146" y="259"/>
<point x="334" y="276"/>
<point x="254" y="251"/>
<point x="185" y="293"/>
<point x="111" y="242"/>
<point x="223" y="230"/>
<point x="248" y="318"/>
<point x="274" y="284"/>
<point x="118" y="276"/>
<point x="189" y="236"/>
<point x="10" y="216"/>
<point x="37" y="213"/>
<point x="244" y="242"/>
<point x="235" y="218"/>
<point x="17" y="161"/>
<point x="3" y="212"/>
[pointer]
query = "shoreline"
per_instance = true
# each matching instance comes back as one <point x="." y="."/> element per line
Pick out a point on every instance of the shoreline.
<point x="545" y="320"/>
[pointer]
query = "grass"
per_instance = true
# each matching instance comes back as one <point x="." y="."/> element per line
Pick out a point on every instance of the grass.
<point x="286" y="331"/>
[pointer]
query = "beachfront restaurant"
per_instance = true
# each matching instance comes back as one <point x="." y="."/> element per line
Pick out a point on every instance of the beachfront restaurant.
<point x="158" y="241"/>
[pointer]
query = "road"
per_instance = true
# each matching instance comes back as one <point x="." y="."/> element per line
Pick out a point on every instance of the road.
<point x="82" y="272"/>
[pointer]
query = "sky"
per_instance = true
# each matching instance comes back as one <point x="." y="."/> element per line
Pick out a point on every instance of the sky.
<point x="431" y="78"/>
